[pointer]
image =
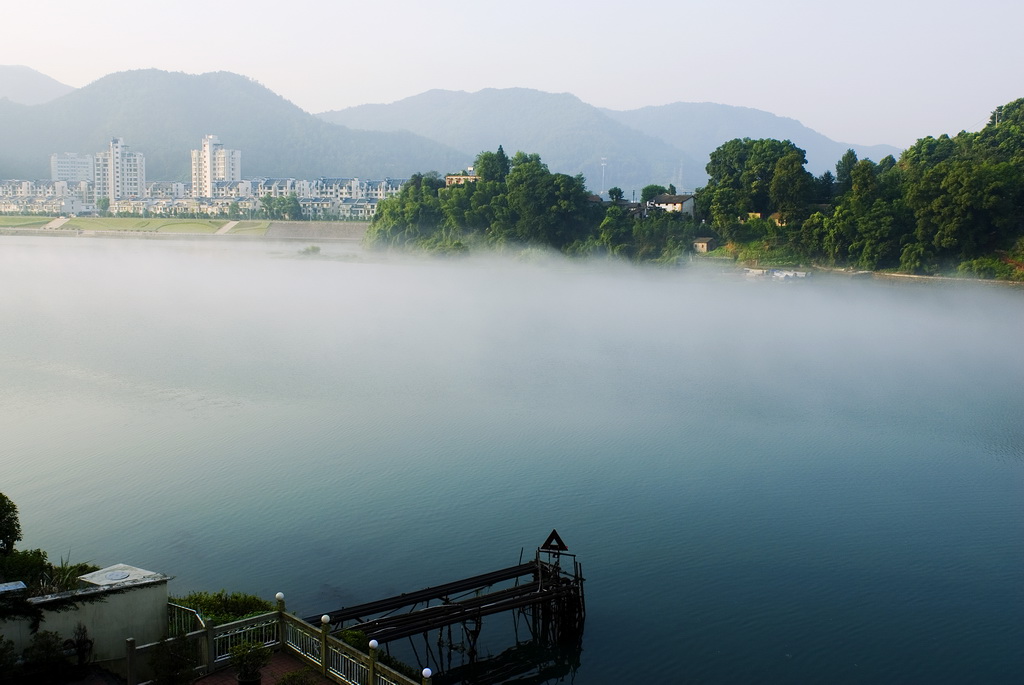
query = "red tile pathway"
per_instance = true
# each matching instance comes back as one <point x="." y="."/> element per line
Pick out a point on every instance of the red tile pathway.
<point x="280" y="664"/>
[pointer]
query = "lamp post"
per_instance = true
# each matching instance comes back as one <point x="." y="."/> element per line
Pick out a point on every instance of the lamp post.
<point x="372" y="675"/>
<point x="325" y="627"/>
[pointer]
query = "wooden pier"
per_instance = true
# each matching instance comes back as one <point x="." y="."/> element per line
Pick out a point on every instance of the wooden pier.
<point x="542" y="593"/>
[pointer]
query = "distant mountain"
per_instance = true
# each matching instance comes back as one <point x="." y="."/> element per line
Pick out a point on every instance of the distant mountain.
<point x="697" y="128"/>
<point x="164" y="115"/>
<point x="668" y="144"/>
<point x="29" y="87"/>
<point x="570" y="136"/>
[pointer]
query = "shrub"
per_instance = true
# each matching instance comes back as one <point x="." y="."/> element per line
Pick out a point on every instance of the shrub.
<point x="220" y="607"/>
<point x="248" y="658"/>
<point x="173" y="661"/>
<point x="44" y="659"/>
<point x="42" y="578"/>
<point x="27" y="565"/>
<point x="7" y="660"/>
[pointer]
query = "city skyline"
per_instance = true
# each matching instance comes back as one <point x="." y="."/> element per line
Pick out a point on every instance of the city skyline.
<point x="881" y="73"/>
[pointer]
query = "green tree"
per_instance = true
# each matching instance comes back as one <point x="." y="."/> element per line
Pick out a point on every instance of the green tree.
<point x="615" y="230"/>
<point x="964" y="209"/>
<point x="10" y="525"/>
<point x="747" y="167"/>
<point x="615" y="194"/>
<point x="269" y="207"/>
<point x="291" y="209"/>
<point x="726" y="209"/>
<point x="649" y="192"/>
<point x="791" y="188"/>
<point x="492" y="166"/>
<point x="412" y="217"/>
<point x="824" y="188"/>
<point x="844" y="167"/>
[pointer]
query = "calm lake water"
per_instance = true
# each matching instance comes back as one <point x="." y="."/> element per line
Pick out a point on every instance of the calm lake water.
<point x="777" y="483"/>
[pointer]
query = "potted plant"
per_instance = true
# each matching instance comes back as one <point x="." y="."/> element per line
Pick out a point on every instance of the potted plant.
<point x="248" y="658"/>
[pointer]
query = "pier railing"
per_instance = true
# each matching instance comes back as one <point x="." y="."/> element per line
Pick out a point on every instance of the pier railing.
<point x="210" y="646"/>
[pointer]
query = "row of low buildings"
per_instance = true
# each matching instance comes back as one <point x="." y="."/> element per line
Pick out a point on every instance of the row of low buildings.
<point x="117" y="175"/>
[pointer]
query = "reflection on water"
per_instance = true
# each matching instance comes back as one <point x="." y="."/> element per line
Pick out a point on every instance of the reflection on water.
<point x="813" y="482"/>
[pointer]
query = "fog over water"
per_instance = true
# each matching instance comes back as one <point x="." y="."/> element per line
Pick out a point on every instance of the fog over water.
<point x="813" y="481"/>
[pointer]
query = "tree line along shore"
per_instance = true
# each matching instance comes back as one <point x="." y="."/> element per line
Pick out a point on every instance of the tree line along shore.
<point x="949" y="206"/>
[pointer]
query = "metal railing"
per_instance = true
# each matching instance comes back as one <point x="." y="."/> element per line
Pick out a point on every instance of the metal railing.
<point x="262" y="629"/>
<point x="182" y="620"/>
<point x="278" y="630"/>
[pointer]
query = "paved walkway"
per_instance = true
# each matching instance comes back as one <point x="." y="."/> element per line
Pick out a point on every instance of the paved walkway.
<point x="57" y="223"/>
<point x="226" y="227"/>
<point x="280" y="664"/>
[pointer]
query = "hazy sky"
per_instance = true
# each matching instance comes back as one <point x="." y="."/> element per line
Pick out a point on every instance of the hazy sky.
<point x="874" y="71"/>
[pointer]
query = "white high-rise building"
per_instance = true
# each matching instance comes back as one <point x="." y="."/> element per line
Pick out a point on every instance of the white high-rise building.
<point x="71" y="167"/>
<point x="119" y="174"/>
<point x="212" y="163"/>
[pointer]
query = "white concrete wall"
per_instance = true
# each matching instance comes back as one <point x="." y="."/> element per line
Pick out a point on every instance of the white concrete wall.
<point x="140" y="611"/>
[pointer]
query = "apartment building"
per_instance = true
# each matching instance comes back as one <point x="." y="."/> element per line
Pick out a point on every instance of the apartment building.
<point x="71" y="167"/>
<point x="213" y="163"/>
<point x="119" y="173"/>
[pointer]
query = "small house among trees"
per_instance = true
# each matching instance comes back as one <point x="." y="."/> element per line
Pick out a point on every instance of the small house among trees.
<point x="703" y="245"/>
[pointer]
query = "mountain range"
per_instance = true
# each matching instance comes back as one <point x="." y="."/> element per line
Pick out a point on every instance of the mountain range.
<point x="630" y="149"/>
<point x="164" y="115"/>
<point x="28" y="87"/>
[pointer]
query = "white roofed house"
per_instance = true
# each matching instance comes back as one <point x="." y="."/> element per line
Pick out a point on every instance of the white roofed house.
<point x="350" y="208"/>
<point x="336" y="188"/>
<point x="319" y="208"/>
<point x="274" y="187"/>
<point x="231" y="189"/>
<point x="378" y="190"/>
<point x="673" y="203"/>
<point x="164" y="190"/>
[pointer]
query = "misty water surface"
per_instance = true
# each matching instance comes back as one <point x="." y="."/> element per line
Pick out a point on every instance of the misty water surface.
<point x="801" y="482"/>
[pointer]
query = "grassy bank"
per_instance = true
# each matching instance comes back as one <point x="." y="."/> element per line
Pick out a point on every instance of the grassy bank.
<point x="138" y="225"/>
<point x="146" y="225"/>
<point x="24" y="221"/>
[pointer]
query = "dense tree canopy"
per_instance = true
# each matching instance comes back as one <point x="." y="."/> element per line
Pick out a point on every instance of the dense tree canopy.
<point x="10" y="525"/>
<point x="519" y="201"/>
<point x="946" y="205"/>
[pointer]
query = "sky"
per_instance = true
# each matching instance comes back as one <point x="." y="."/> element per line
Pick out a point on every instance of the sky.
<point x="870" y="72"/>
